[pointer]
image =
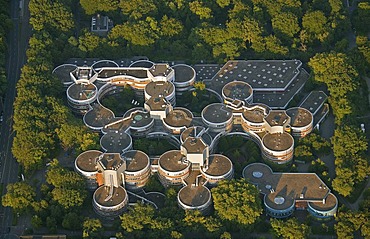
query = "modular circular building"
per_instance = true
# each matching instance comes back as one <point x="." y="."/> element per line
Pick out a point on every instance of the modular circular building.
<point x="237" y="90"/>
<point x="173" y="168"/>
<point x="184" y="77"/>
<point x="195" y="198"/>
<point x="217" y="117"/>
<point x="137" y="171"/>
<point x="301" y="121"/>
<point x="85" y="165"/>
<point x="278" y="147"/>
<point x="219" y="168"/>
<point x="285" y="192"/>
<point x="80" y="96"/>
<point x="109" y="201"/>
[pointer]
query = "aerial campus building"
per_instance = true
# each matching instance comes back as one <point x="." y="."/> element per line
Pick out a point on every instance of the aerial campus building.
<point x="285" y="192"/>
<point x="252" y="97"/>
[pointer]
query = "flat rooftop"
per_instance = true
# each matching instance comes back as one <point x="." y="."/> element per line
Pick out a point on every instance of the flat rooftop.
<point x="136" y="160"/>
<point x="157" y="103"/>
<point x="183" y="73"/>
<point x="282" y="189"/>
<point x="330" y="202"/>
<point x="86" y="161"/>
<point x="62" y="72"/>
<point x="111" y="161"/>
<point x="194" y="145"/>
<point x="217" y="113"/>
<point x="101" y="194"/>
<point x="82" y="91"/>
<point x="196" y="131"/>
<point x="278" y="141"/>
<point x="104" y="63"/>
<point x="125" y="71"/>
<point x="117" y="124"/>
<point x="99" y="116"/>
<point x="173" y="161"/>
<point x="194" y="196"/>
<point x="179" y="117"/>
<point x="299" y="117"/>
<point x="219" y="165"/>
<point x="280" y="99"/>
<point x="159" y="88"/>
<point x="142" y="63"/>
<point x="160" y="69"/>
<point x="237" y="90"/>
<point x="255" y="115"/>
<point x="314" y="101"/>
<point x="140" y="119"/>
<point x="115" y="142"/>
<point x="260" y="74"/>
<point x="206" y="71"/>
<point x="277" y="118"/>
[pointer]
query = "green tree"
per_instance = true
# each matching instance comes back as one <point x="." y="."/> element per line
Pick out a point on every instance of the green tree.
<point x="71" y="221"/>
<point x="170" y="26"/>
<point x="286" y="23"/>
<point x="237" y="201"/>
<point x="289" y="229"/>
<point x="73" y="134"/>
<point x="88" y="42"/>
<point x="19" y="196"/>
<point x="92" y="228"/>
<point x="137" y="9"/>
<point x="69" y="187"/>
<point x="335" y="70"/>
<point x="46" y="14"/>
<point x="137" y="218"/>
<point x="316" y="25"/>
<point x="199" y="8"/>
<point x="94" y="6"/>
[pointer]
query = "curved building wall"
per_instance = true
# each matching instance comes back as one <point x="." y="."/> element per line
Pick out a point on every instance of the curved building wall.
<point x="184" y="77"/>
<point x="218" y="118"/>
<point x="112" y="207"/>
<point x="195" y="198"/>
<point x="279" y="213"/>
<point x="138" y="171"/>
<point x="322" y="210"/>
<point x="280" y="152"/>
<point x="173" y="168"/>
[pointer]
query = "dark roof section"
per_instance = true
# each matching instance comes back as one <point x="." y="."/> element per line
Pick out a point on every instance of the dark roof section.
<point x="237" y="90"/>
<point x="314" y="101"/>
<point x="206" y="71"/>
<point x="82" y="91"/>
<point x="98" y="116"/>
<point x="115" y="141"/>
<point x="299" y="117"/>
<point x="159" y="88"/>
<point x="183" y="73"/>
<point x="217" y="113"/>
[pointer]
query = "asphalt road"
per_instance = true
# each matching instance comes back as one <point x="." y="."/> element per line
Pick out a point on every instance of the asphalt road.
<point x="17" y="45"/>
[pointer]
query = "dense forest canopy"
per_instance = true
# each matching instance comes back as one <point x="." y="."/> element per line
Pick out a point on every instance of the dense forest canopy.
<point x="222" y="29"/>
